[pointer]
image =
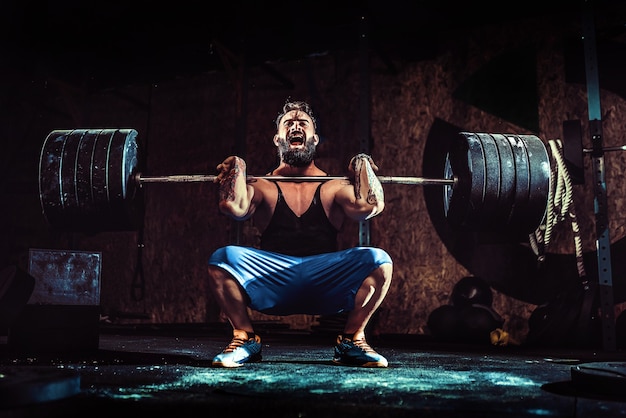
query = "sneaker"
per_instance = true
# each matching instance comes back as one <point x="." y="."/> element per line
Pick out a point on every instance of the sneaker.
<point x="357" y="353"/>
<point x="240" y="350"/>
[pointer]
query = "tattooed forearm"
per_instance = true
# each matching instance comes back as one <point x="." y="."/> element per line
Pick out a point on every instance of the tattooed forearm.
<point x="229" y="178"/>
<point x="374" y="194"/>
<point x="357" y="184"/>
<point x="356" y="166"/>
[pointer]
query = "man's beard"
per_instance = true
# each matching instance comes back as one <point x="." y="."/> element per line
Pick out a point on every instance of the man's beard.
<point x="300" y="157"/>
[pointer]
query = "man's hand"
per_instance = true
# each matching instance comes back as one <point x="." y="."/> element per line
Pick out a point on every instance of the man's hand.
<point x="226" y="167"/>
<point x="229" y="171"/>
<point x="366" y="184"/>
<point x="358" y="160"/>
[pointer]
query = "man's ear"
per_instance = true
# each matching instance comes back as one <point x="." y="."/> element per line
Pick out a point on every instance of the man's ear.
<point x="275" y="140"/>
<point x="316" y="138"/>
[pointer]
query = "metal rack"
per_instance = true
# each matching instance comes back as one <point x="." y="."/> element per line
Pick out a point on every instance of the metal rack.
<point x="603" y="241"/>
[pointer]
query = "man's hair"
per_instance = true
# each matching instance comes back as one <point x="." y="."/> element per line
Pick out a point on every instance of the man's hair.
<point x="296" y="105"/>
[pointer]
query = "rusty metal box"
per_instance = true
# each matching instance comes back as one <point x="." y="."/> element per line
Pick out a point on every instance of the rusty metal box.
<point x="64" y="277"/>
<point x="63" y="312"/>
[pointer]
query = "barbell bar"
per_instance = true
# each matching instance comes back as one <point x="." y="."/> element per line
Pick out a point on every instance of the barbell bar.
<point x="190" y="178"/>
<point x="89" y="180"/>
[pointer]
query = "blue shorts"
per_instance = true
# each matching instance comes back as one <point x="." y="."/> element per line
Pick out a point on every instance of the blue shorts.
<point x="279" y="284"/>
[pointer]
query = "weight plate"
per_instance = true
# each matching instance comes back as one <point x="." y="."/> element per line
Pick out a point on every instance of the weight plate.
<point x="539" y="181"/>
<point x="484" y="214"/>
<point x="518" y="215"/>
<point x="82" y="176"/>
<point x="466" y="160"/>
<point x="122" y="165"/>
<point x="502" y="182"/>
<point x="50" y="177"/>
<point x="87" y="180"/>
<point x="508" y="180"/>
<point x="69" y="196"/>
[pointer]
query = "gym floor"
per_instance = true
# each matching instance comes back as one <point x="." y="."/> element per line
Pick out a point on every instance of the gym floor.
<point x="167" y="369"/>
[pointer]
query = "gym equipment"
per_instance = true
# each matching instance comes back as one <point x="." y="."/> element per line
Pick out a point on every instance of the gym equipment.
<point x="471" y="290"/>
<point x="90" y="180"/>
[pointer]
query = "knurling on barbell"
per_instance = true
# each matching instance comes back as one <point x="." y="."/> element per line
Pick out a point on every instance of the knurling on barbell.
<point x="89" y="180"/>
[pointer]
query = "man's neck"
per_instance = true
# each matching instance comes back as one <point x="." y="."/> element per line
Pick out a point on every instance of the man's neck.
<point x="289" y="170"/>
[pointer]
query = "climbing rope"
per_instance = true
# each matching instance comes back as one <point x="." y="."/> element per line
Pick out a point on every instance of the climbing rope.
<point x="560" y="208"/>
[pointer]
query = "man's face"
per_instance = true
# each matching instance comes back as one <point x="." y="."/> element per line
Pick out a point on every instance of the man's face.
<point x="296" y="139"/>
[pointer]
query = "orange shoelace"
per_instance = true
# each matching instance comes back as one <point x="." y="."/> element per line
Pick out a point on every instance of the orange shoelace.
<point x="234" y="344"/>
<point x="363" y="345"/>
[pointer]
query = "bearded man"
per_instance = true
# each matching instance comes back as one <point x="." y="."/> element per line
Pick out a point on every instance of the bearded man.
<point x="298" y="268"/>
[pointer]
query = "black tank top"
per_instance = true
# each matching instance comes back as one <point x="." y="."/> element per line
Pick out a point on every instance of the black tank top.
<point x="311" y="233"/>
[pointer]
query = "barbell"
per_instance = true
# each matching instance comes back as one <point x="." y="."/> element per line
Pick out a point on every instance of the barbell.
<point x="90" y="180"/>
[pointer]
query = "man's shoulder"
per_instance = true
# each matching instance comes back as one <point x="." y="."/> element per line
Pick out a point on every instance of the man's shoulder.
<point x="264" y="184"/>
<point x="334" y="186"/>
<point x="339" y="182"/>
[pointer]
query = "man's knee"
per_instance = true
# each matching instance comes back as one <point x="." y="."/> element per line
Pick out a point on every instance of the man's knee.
<point x="214" y="271"/>
<point x="218" y="276"/>
<point x="373" y="255"/>
<point x="381" y="276"/>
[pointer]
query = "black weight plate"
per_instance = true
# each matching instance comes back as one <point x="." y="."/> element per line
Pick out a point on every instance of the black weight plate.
<point x="485" y="213"/>
<point x="133" y="198"/>
<point x="50" y="177"/>
<point x="84" y="191"/>
<point x="508" y="179"/>
<point x="69" y="196"/>
<point x="87" y="179"/>
<point x="540" y="173"/>
<point x="122" y="165"/>
<point x="502" y="182"/>
<point x="466" y="160"/>
<point x="99" y="179"/>
<point x="517" y="217"/>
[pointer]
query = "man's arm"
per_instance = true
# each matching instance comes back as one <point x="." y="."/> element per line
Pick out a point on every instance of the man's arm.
<point x="364" y="197"/>
<point x="235" y="194"/>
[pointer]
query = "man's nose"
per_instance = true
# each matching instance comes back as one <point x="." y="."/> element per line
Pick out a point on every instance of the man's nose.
<point x="295" y="129"/>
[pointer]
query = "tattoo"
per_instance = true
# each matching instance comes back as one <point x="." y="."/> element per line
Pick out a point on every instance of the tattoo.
<point x="375" y="192"/>
<point x="357" y="183"/>
<point x="227" y="184"/>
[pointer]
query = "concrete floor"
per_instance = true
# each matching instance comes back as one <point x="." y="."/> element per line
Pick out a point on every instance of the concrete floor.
<point x="167" y="370"/>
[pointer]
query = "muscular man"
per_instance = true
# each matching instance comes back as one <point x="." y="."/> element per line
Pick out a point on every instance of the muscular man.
<point x="299" y="269"/>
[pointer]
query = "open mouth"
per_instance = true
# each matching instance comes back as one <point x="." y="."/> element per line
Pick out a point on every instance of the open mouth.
<point x="296" y="140"/>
